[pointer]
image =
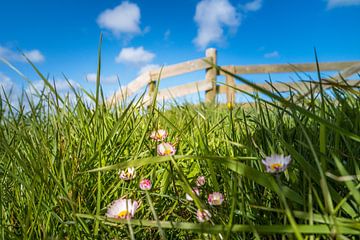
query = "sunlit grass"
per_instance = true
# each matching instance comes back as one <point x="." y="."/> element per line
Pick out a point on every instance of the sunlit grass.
<point x="60" y="165"/>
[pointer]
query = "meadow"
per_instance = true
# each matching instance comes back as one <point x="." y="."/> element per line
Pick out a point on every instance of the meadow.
<point x="66" y="166"/>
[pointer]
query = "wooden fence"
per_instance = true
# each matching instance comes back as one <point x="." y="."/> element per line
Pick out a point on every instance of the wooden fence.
<point x="210" y="86"/>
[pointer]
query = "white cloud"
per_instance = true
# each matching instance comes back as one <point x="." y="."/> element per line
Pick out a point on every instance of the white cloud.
<point x="11" y="90"/>
<point x="253" y="6"/>
<point x="148" y="67"/>
<point x="33" y="55"/>
<point x="124" y="18"/>
<point x="134" y="56"/>
<point x="62" y="86"/>
<point x="6" y="52"/>
<point x="63" y="89"/>
<point x="5" y="83"/>
<point x="212" y="16"/>
<point x="91" y="77"/>
<point x="108" y="79"/>
<point x="342" y="3"/>
<point x="274" y="54"/>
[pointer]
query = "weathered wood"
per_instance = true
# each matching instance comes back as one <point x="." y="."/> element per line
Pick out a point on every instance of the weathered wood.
<point x="210" y="75"/>
<point x="152" y="87"/>
<point x="123" y="93"/>
<point x="182" y="90"/>
<point x="138" y="83"/>
<point x="299" y="67"/>
<point x="180" y="68"/>
<point x="230" y="91"/>
<point x="283" y="87"/>
<point x="338" y="77"/>
<point x="348" y="72"/>
<point x="209" y="84"/>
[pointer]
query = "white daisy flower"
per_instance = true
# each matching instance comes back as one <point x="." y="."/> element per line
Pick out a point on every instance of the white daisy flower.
<point x="215" y="198"/>
<point x="196" y="191"/>
<point x="203" y="215"/>
<point x="145" y="184"/>
<point x="200" y="181"/>
<point x="159" y="135"/>
<point x="276" y="163"/>
<point x="166" y="149"/>
<point x="127" y="174"/>
<point x="122" y="209"/>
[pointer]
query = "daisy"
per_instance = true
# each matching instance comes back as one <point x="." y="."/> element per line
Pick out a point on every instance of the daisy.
<point x="127" y="174"/>
<point x="145" y="184"/>
<point x="166" y="149"/>
<point x="122" y="209"/>
<point x="196" y="191"/>
<point x="203" y="215"/>
<point x="158" y="135"/>
<point x="200" y="181"/>
<point x="276" y="163"/>
<point x="215" y="198"/>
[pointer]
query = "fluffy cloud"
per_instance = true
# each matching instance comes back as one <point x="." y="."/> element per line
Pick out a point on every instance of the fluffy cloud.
<point x="33" y="55"/>
<point x="10" y="89"/>
<point x="62" y="86"/>
<point x="134" y="56"/>
<point x="342" y="3"/>
<point x="212" y="16"/>
<point x="6" y="52"/>
<point x="273" y="54"/>
<point x="148" y="67"/>
<point x="253" y="6"/>
<point x="5" y="83"/>
<point x="124" y="18"/>
<point x="63" y="89"/>
<point x="108" y="79"/>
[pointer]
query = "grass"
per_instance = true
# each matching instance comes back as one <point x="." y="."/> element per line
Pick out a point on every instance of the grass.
<point x="60" y="161"/>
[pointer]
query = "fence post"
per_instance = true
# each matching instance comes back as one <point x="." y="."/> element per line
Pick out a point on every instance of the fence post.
<point x="151" y="90"/>
<point x="230" y="82"/>
<point x="210" y="75"/>
<point x="152" y="87"/>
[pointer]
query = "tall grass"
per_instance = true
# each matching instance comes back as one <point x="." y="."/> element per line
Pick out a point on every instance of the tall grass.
<point x="60" y="161"/>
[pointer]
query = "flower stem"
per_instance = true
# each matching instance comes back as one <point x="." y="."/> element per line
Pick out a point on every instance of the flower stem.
<point x="162" y="233"/>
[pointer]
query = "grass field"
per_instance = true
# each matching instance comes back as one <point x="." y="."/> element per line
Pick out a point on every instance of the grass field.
<point x="60" y="165"/>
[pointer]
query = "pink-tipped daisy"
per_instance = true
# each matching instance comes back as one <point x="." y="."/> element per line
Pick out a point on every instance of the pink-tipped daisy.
<point x="158" y="135"/>
<point x="215" y="198"/>
<point x="203" y="215"/>
<point x="145" y="184"/>
<point x="166" y="149"/>
<point x="196" y="191"/>
<point x="122" y="209"/>
<point x="276" y="163"/>
<point x="200" y="181"/>
<point x="127" y="174"/>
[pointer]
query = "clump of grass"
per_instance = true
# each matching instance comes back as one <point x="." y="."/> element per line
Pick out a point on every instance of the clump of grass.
<point x="60" y="162"/>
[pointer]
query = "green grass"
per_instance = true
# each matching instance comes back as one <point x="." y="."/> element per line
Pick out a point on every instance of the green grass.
<point x="60" y="161"/>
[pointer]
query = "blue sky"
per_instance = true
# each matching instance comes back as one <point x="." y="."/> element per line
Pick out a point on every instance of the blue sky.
<point x="61" y="37"/>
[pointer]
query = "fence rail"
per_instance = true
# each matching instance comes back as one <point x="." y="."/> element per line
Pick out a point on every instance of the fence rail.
<point x="210" y="86"/>
<point x="298" y="67"/>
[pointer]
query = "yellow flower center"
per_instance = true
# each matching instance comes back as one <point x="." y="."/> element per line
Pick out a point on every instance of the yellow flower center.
<point x="216" y="200"/>
<point x="167" y="151"/>
<point x="123" y="214"/>
<point x="276" y="166"/>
